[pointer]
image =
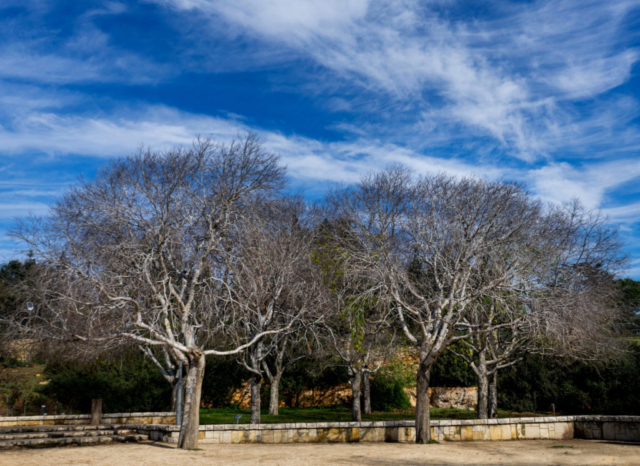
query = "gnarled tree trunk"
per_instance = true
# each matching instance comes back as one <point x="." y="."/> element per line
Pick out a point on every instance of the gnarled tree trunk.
<point x="256" y="385"/>
<point x="193" y="392"/>
<point x="483" y="386"/>
<point x="174" y="395"/>
<point x="367" y="393"/>
<point x="493" y="395"/>
<point x="423" y="417"/>
<point x="274" y="396"/>
<point x="356" y="415"/>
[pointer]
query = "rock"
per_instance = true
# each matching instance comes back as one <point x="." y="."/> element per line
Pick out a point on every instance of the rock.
<point x="449" y="397"/>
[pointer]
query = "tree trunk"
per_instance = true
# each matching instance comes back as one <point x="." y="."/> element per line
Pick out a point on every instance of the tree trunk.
<point x="423" y="419"/>
<point x="493" y="395"/>
<point x="191" y="414"/>
<point x="483" y="386"/>
<point x="174" y="395"/>
<point x="367" y="393"/>
<point x="356" y="415"/>
<point x="256" y="385"/>
<point x="274" y="396"/>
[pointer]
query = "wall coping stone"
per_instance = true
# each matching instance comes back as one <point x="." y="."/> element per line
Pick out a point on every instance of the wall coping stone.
<point x="391" y="424"/>
<point x="326" y="425"/>
<point x="81" y="416"/>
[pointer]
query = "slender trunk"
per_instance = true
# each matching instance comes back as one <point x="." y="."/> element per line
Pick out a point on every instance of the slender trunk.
<point x="356" y="415"/>
<point x="255" y="360"/>
<point x="256" y="385"/>
<point x="274" y="396"/>
<point x="174" y="394"/>
<point x="367" y="393"/>
<point x="191" y="415"/>
<point x="493" y="395"/>
<point x="483" y="386"/>
<point x="423" y="420"/>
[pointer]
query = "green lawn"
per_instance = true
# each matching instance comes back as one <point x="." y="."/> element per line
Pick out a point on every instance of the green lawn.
<point x="335" y="414"/>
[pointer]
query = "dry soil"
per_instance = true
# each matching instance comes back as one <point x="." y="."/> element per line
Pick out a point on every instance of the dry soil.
<point x="533" y="452"/>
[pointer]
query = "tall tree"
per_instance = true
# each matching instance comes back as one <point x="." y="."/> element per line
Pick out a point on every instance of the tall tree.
<point x="15" y="277"/>
<point x="289" y="348"/>
<point x="359" y="332"/>
<point x="273" y="283"/>
<point x="135" y="255"/>
<point x="469" y="238"/>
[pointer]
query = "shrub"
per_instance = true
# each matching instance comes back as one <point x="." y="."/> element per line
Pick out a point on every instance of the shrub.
<point x="388" y="395"/>
<point x="130" y="385"/>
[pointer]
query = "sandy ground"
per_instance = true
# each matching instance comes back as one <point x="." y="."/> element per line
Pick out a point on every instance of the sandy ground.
<point x="529" y="452"/>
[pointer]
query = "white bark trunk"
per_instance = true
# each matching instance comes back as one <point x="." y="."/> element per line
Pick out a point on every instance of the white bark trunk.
<point x="191" y="414"/>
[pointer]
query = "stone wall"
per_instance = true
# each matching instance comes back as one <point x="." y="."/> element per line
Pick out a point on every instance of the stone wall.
<point x="448" y="397"/>
<point x="82" y="419"/>
<point x="439" y="397"/>
<point x="625" y="428"/>
<point x="382" y="431"/>
<point x="332" y="396"/>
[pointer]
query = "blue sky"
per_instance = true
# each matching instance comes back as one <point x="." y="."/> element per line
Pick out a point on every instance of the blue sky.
<point x="542" y="92"/>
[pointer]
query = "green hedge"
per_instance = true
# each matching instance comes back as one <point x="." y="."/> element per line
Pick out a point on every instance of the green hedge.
<point x="574" y="388"/>
<point x="130" y="385"/>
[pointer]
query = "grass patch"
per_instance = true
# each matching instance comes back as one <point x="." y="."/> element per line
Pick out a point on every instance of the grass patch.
<point x="561" y="446"/>
<point x="334" y="414"/>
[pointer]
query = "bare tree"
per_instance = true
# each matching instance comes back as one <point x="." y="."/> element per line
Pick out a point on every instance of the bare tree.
<point x="437" y="245"/>
<point x="569" y="310"/>
<point x="363" y="347"/>
<point x="499" y="339"/>
<point x="135" y="255"/>
<point x="359" y="332"/>
<point x="273" y="283"/>
<point x="289" y="348"/>
<point x="503" y="336"/>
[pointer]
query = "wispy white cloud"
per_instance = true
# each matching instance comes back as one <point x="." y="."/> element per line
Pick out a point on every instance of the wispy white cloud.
<point x="162" y="127"/>
<point x="508" y="78"/>
<point x="312" y="164"/>
<point x="591" y="183"/>
<point x="629" y="213"/>
<point x="22" y="209"/>
<point x="529" y="93"/>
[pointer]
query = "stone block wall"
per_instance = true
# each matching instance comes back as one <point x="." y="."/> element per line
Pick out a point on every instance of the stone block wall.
<point x="83" y="419"/>
<point x="625" y="428"/>
<point x="439" y="397"/>
<point x="382" y="431"/>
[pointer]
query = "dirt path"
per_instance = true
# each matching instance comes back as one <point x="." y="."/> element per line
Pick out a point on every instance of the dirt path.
<point x="523" y="453"/>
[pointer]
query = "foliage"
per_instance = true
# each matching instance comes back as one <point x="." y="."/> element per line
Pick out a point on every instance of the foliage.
<point x="387" y="394"/>
<point x="11" y="274"/>
<point x="388" y="384"/>
<point x="131" y="384"/>
<point x="222" y="377"/>
<point x="574" y="388"/>
<point x="19" y="384"/>
<point x="630" y="299"/>
<point x="452" y="371"/>
<point x="305" y="375"/>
